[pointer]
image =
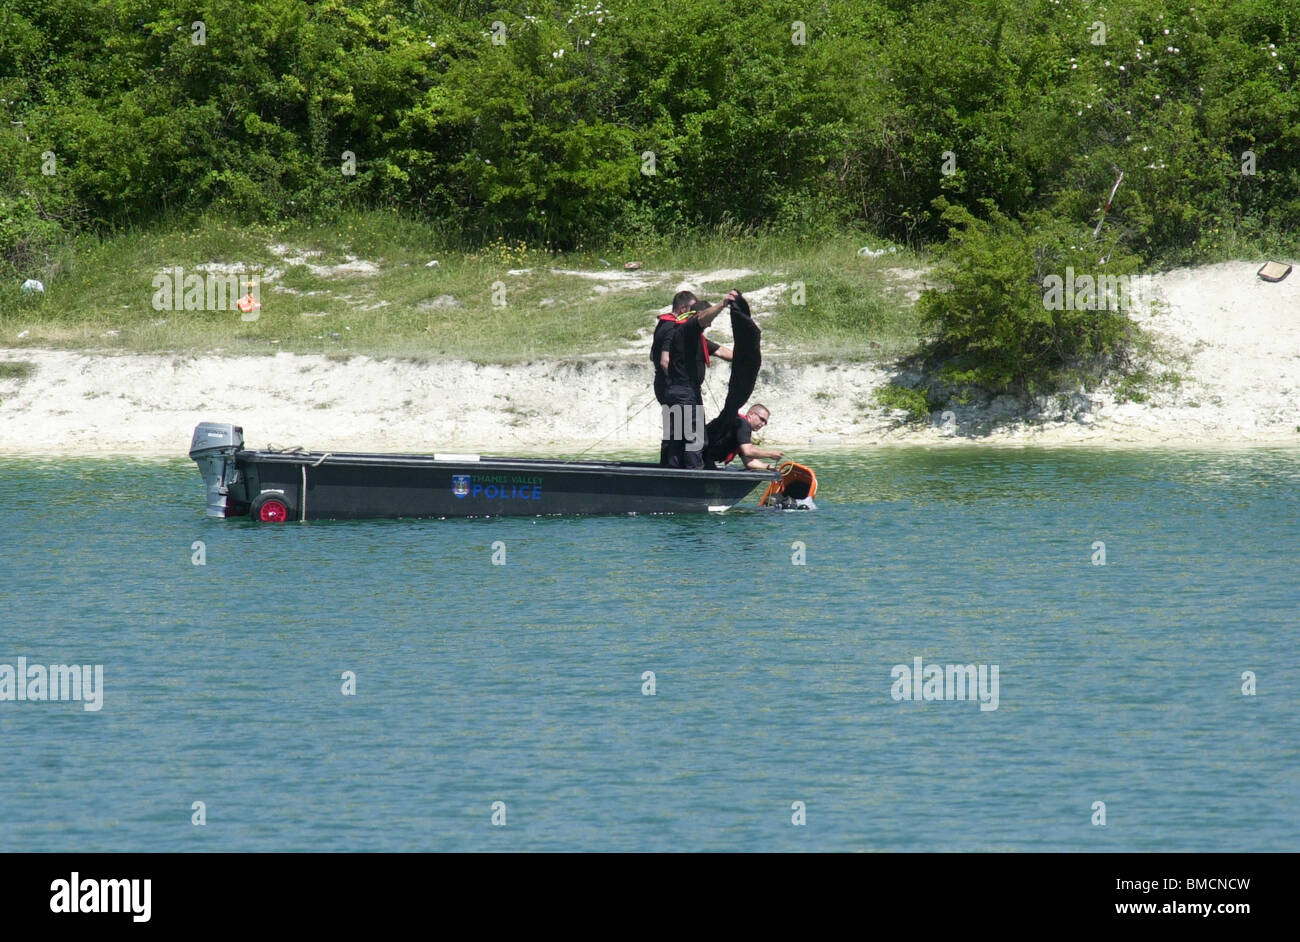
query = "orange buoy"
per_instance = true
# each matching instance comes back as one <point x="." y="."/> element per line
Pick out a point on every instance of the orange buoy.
<point x="795" y="490"/>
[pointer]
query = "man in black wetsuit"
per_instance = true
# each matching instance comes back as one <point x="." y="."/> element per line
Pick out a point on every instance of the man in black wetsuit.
<point x="683" y="304"/>
<point x="684" y="360"/>
<point x="737" y="439"/>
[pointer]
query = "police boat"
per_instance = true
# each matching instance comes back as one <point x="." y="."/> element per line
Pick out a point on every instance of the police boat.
<point x="277" y="486"/>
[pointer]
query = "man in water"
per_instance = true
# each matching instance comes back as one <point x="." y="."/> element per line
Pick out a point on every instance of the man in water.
<point x="683" y="360"/>
<point x="736" y="438"/>
<point x="683" y="304"/>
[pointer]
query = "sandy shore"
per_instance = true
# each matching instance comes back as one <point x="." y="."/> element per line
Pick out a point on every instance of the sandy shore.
<point x="1233" y="338"/>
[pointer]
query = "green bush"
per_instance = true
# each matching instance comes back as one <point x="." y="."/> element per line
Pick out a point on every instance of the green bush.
<point x="995" y="329"/>
<point x="911" y="401"/>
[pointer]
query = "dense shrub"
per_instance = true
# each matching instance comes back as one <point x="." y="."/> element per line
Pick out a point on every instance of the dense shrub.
<point x="995" y="329"/>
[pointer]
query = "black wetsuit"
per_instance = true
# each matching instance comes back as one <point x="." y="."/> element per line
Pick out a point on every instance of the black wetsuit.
<point x="727" y="445"/>
<point x="686" y="366"/>
<point x="663" y="333"/>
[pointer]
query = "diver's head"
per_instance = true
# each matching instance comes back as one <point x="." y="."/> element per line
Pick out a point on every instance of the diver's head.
<point x="682" y="302"/>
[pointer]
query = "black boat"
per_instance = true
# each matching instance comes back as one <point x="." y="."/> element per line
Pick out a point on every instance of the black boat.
<point x="274" y="486"/>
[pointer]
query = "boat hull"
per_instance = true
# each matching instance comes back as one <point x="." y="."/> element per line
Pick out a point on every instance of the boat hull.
<point x="299" y="485"/>
<point x="357" y="486"/>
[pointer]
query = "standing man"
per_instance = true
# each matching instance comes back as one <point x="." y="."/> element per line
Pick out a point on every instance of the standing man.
<point x="683" y="360"/>
<point x="683" y="304"/>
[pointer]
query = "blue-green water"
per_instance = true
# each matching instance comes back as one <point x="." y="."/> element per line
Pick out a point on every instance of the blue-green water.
<point x="522" y="683"/>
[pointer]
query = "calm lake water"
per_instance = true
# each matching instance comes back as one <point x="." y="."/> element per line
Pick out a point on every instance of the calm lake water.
<point x="774" y="682"/>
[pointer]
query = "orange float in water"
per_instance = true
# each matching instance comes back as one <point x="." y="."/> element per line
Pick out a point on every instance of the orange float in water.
<point x="795" y="490"/>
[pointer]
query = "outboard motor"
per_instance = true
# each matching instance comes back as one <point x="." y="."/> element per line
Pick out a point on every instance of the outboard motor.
<point x="213" y="449"/>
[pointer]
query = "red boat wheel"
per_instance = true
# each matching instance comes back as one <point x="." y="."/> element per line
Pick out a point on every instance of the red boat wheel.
<point x="273" y="511"/>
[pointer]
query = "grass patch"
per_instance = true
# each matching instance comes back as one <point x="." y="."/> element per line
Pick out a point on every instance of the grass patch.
<point x="468" y="306"/>
<point x="848" y="311"/>
<point x="16" y="369"/>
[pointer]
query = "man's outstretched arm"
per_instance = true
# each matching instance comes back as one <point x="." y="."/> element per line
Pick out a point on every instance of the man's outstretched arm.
<point x="753" y="456"/>
<point x="707" y="315"/>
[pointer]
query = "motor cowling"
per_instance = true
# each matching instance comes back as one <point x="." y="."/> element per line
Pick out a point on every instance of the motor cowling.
<point x="213" y="449"/>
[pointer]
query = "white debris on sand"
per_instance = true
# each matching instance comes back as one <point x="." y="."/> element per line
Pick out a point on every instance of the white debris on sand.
<point x="351" y="265"/>
<point x="640" y="279"/>
<point x="441" y="302"/>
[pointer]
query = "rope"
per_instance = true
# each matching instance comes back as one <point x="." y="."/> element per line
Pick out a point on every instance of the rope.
<point x="614" y="432"/>
<point x="708" y="387"/>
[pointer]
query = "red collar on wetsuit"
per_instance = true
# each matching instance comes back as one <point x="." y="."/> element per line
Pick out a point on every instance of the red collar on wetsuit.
<point x="681" y="319"/>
